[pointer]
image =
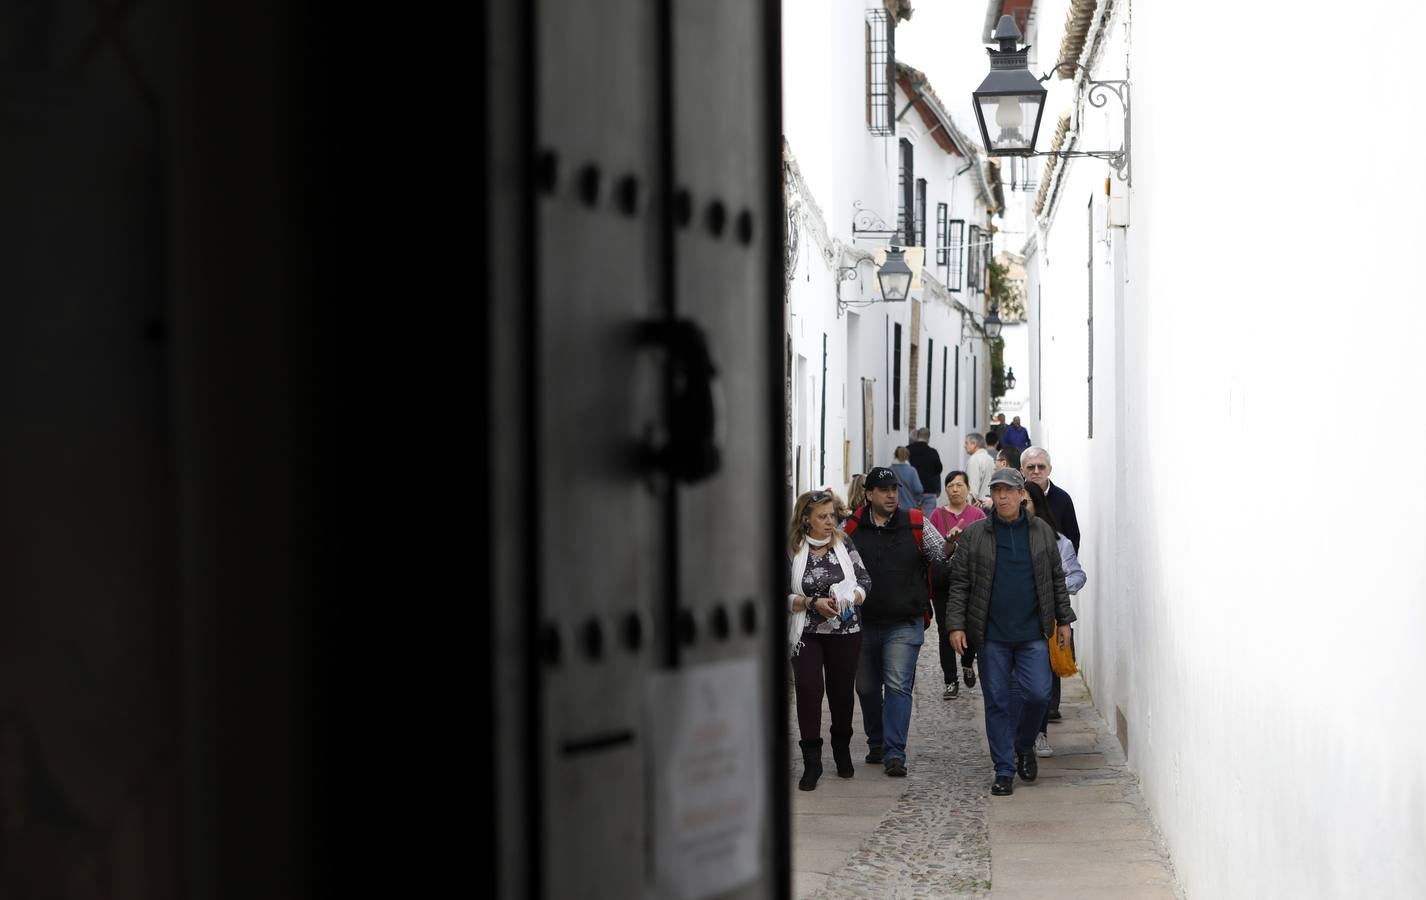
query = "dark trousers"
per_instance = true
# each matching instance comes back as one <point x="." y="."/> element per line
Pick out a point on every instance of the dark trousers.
<point x="1054" y="695"/>
<point x="826" y="663"/>
<point x="949" y="671"/>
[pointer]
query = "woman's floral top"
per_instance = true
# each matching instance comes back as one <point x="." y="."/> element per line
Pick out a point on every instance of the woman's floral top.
<point x="817" y="581"/>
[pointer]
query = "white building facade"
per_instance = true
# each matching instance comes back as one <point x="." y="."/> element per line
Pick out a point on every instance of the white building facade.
<point x="1203" y="402"/>
<point x="874" y="160"/>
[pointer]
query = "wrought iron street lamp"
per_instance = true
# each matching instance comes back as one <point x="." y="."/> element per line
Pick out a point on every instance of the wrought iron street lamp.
<point x="894" y="276"/>
<point x="1010" y="379"/>
<point x="1010" y="101"/>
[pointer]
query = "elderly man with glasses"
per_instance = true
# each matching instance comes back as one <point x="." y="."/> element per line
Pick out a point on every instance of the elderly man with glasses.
<point x="1035" y="465"/>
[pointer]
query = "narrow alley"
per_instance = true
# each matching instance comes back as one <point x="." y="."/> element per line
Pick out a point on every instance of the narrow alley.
<point x="1081" y="830"/>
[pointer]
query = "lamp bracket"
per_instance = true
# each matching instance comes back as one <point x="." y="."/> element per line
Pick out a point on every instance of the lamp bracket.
<point x="870" y="225"/>
<point x="849" y="273"/>
<point x="1098" y="96"/>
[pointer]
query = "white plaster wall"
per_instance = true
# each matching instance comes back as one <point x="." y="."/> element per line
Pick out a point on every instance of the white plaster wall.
<point x="1255" y="605"/>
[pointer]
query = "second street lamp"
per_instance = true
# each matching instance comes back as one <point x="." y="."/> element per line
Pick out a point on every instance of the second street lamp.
<point x="992" y="322"/>
<point x="894" y="276"/>
<point x="1010" y="379"/>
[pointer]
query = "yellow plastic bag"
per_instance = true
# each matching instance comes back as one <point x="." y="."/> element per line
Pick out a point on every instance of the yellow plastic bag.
<point x="1062" y="661"/>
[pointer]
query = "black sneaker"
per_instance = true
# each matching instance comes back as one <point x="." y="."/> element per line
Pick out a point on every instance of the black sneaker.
<point x="1027" y="765"/>
<point x="1003" y="786"/>
<point x="1053" y="715"/>
<point x="873" y="755"/>
<point x="952" y="691"/>
<point x="969" y="674"/>
<point x="896" y="767"/>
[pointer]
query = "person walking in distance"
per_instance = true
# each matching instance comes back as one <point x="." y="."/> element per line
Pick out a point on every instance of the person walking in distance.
<point x="950" y="520"/>
<point x="909" y="482"/>
<point x="899" y="553"/>
<point x="1007" y="598"/>
<point x="1036" y="505"/>
<point x="1015" y="436"/>
<point x="1035" y="466"/>
<point x="979" y="464"/>
<point x="829" y="585"/>
<point x="927" y="463"/>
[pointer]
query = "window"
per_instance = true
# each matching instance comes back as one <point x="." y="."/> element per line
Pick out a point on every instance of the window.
<point x="945" y="353"/>
<point x="985" y="257"/>
<point x="957" y="420"/>
<point x="955" y="237"/>
<point x="905" y="218"/>
<point x="941" y="255"/>
<point x="930" y="384"/>
<point x="973" y="259"/>
<point x="896" y="381"/>
<point x="920" y="213"/>
<point x="880" y="72"/>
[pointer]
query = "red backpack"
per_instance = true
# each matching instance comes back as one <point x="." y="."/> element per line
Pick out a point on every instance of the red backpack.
<point x="918" y="522"/>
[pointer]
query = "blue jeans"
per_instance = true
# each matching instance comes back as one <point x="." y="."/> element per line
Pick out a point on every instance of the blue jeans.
<point x="1015" y="679"/>
<point x="886" y="673"/>
<point x="928" y="503"/>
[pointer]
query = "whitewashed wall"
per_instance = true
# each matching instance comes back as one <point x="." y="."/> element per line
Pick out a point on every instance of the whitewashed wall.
<point x="1255" y="605"/>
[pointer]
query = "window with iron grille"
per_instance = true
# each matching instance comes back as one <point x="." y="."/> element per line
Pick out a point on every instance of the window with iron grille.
<point x="955" y="237"/>
<point x="905" y="219"/>
<point x="941" y="255"/>
<point x="880" y="72"/>
<point x="973" y="259"/>
<point x="920" y="213"/>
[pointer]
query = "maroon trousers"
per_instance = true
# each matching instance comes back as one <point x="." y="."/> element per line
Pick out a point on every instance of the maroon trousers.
<point x="835" y="655"/>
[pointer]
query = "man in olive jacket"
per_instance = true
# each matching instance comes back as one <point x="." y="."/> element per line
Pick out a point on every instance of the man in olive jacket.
<point x="1007" y="596"/>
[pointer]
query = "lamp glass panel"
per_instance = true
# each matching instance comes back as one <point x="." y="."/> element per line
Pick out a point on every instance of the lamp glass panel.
<point x="895" y="285"/>
<point x="1010" y="120"/>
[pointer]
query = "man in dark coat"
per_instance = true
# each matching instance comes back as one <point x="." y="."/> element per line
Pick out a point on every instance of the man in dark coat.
<point x="1007" y="598"/>
<point x="1035" y="466"/>
<point x="927" y="463"/>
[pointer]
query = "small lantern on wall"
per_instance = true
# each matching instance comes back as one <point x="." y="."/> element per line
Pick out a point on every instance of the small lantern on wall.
<point x="992" y="322"/>
<point x="894" y="276"/>
<point x="1010" y="379"/>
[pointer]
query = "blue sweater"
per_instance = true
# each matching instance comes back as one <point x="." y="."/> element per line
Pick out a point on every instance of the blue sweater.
<point x="1014" y="616"/>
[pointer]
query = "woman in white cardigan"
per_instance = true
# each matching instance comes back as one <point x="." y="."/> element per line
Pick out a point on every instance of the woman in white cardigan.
<point x="828" y="586"/>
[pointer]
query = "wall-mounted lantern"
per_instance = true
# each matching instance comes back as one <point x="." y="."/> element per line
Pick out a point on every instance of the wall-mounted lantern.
<point x="1010" y="103"/>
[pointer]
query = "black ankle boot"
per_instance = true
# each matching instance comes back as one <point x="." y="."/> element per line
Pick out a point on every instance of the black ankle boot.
<point x="842" y="754"/>
<point x="811" y="764"/>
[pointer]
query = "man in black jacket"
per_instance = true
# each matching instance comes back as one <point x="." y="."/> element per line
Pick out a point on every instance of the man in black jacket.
<point x="927" y="463"/>
<point x="1007" y="595"/>
<point x="892" y="615"/>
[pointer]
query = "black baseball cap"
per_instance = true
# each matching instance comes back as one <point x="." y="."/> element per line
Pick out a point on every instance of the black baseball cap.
<point x="881" y="476"/>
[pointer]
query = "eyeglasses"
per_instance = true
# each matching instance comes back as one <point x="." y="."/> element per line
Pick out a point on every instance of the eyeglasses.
<point x="1035" y="467"/>
<point x="819" y="496"/>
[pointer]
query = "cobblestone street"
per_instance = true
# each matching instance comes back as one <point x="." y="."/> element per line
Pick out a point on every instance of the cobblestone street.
<point x="1081" y="830"/>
